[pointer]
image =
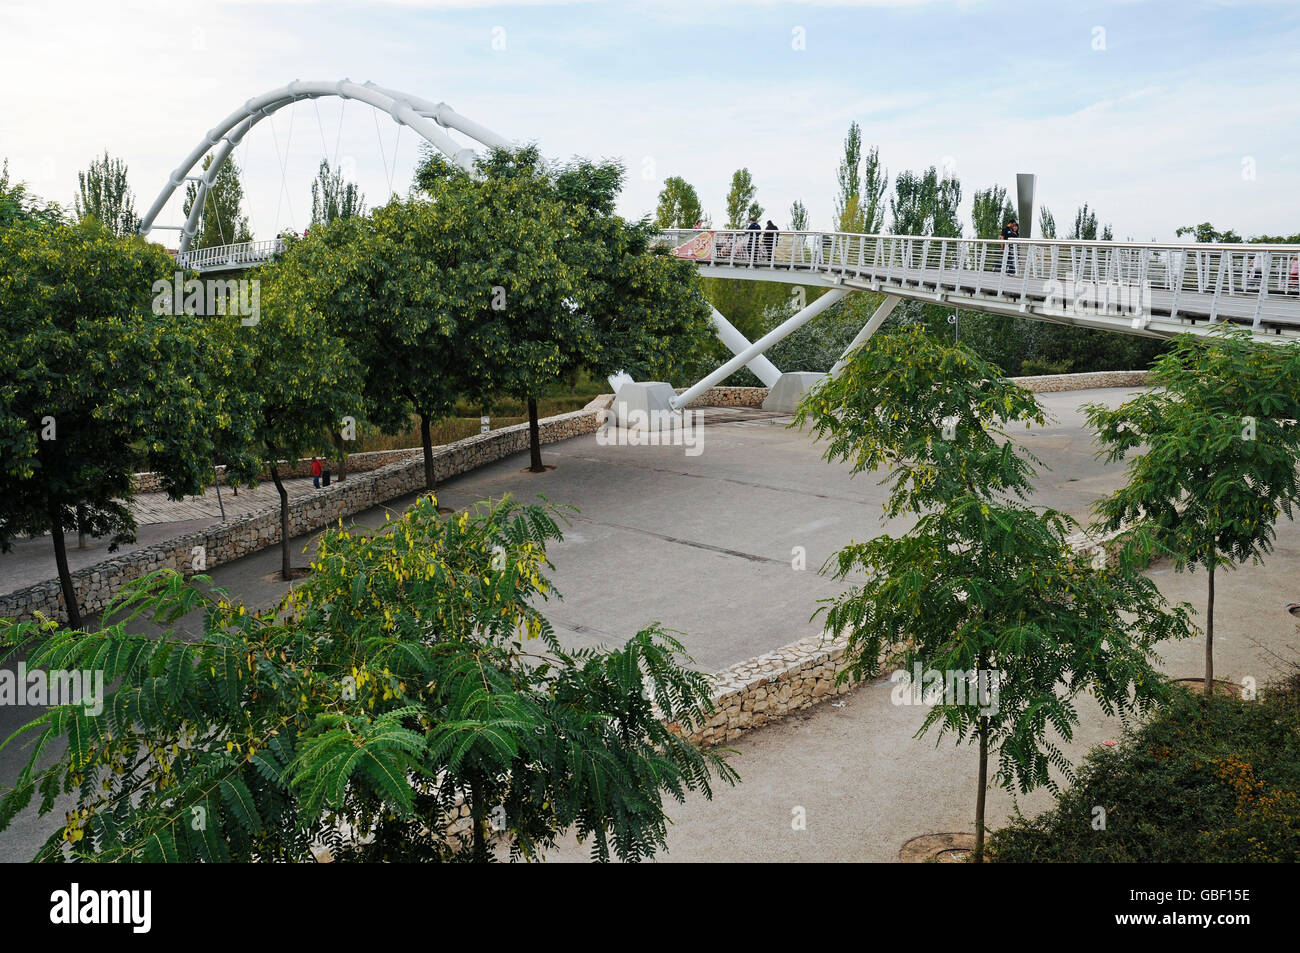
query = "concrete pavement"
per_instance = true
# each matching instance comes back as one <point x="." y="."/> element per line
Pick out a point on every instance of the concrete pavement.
<point x="705" y="544"/>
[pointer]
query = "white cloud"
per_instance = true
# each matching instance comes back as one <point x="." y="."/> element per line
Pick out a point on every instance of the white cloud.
<point x="1151" y="147"/>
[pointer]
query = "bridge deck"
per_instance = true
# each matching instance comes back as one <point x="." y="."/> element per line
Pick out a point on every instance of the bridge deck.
<point x="1152" y="289"/>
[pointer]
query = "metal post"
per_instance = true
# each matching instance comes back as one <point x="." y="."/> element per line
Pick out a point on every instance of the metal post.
<point x="788" y="327"/>
<point x="216" y="481"/>
<point x="1025" y="185"/>
<point x="763" y="369"/>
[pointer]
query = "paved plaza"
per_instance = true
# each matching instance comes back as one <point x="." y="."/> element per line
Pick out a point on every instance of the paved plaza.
<point x="704" y="544"/>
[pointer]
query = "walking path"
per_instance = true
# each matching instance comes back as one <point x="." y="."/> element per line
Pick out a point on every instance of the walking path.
<point x="704" y="545"/>
<point x="158" y="518"/>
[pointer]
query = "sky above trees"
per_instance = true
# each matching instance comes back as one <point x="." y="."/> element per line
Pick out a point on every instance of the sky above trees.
<point x="1156" y="113"/>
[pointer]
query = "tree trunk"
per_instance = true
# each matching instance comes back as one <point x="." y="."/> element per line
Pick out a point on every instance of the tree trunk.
<point x="534" y="438"/>
<point x="285" y="569"/>
<point x="426" y="439"/>
<point x="476" y="813"/>
<point x="983" y="790"/>
<point x="81" y="527"/>
<point x="1209" y="636"/>
<point x="65" y="577"/>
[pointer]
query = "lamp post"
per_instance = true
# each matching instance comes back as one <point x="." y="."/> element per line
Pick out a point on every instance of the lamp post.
<point x="955" y="320"/>
<point x="1026" y="182"/>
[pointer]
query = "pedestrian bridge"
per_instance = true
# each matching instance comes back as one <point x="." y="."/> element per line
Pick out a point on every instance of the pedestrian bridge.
<point x="1152" y="289"/>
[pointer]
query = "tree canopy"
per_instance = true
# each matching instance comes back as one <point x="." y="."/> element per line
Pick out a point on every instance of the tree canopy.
<point x="102" y="191"/>
<point x="679" y="205"/>
<point x="1222" y="446"/>
<point x="102" y="384"/>
<point x="222" y="220"/>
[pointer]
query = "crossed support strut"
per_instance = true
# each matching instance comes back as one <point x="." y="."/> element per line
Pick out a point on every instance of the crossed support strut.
<point x="785" y="390"/>
<point x="747" y="354"/>
<point x="873" y="324"/>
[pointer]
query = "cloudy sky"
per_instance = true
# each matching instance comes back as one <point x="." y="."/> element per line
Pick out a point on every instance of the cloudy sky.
<point x="1158" y="114"/>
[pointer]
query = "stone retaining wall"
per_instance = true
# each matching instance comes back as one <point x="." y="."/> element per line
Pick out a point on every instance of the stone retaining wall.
<point x="391" y="474"/>
<point x="729" y="397"/>
<point x="1055" y="383"/>
<point x="357" y="463"/>
<point x="771" y="686"/>
<point x="97" y="585"/>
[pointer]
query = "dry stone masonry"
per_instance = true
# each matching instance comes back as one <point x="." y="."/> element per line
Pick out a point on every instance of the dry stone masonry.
<point x="97" y="585"/>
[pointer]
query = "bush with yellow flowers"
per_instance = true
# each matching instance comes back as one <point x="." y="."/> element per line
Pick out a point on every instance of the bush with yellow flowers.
<point x="411" y="673"/>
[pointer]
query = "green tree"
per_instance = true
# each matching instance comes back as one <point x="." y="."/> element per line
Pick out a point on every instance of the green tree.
<point x="984" y="591"/>
<point x="1222" y="446"/>
<point x="926" y="204"/>
<point x="519" y="320"/>
<point x="859" y="203"/>
<point x="1206" y="234"/>
<point x="102" y="191"/>
<point x="1085" y="226"/>
<point x="222" y="220"/>
<point x="565" y="285"/>
<point x="740" y="200"/>
<point x="847" y="217"/>
<point x="1046" y="222"/>
<point x="798" y="216"/>
<point x="336" y="708"/>
<point x="871" y="204"/>
<point x="679" y="205"/>
<point x="991" y="211"/>
<point x="649" y="316"/>
<point x="17" y="204"/>
<point x="106" y="382"/>
<point x="302" y="371"/>
<point x="1276" y="239"/>
<point x="333" y="197"/>
<point x="391" y="286"/>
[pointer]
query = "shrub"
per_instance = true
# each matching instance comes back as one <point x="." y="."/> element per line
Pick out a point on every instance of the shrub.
<point x="1205" y="779"/>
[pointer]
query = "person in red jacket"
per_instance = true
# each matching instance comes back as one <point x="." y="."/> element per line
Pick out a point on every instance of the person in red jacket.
<point x="315" y="472"/>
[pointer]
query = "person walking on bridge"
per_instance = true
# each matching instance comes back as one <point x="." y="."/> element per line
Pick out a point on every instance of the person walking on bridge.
<point x="1010" y="230"/>
<point x="769" y="240"/>
<point x="752" y="244"/>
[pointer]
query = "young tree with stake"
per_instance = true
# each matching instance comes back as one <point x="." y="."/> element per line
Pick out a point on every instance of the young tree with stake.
<point x="983" y="588"/>
<point x="1222" y="441"/>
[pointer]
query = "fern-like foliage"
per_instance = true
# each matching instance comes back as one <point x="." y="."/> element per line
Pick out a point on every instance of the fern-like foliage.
<point x="411" y="673"/>
<point x="983" y="583"/>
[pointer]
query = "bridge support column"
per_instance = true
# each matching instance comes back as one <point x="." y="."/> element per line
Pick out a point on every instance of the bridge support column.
<point x="785" y="329"/>
<point x="789" y="390"/>
<point x="640" y="405"/>
<point x="763" y="369"/>
<point x="885" y="310"/>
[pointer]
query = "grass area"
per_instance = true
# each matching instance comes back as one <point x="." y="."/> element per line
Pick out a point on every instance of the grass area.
<point x="466" y="422"/>
<point x="1203" y="780"/>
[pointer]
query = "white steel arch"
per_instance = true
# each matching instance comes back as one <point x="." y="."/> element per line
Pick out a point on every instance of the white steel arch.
<point x="427" y="119"/>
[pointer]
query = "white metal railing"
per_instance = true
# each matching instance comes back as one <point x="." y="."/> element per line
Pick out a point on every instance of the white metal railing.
<point x="1257" y="284"/>
<point x="1253" y="283"/>
<point x="240" y="255"/>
